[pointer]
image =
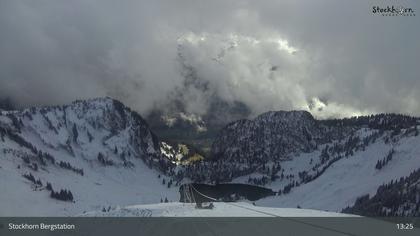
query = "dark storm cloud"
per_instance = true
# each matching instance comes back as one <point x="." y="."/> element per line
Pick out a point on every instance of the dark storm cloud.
<point x="334" y="57"/>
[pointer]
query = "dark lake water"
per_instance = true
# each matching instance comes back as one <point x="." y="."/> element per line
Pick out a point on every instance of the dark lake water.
<point x="226" y="192"/>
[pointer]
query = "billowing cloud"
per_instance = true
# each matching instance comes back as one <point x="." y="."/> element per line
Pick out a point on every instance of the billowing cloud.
<point x="331" y="58"/>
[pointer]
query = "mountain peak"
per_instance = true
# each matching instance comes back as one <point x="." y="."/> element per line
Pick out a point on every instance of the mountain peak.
<point x="97" y="100"/>
<point x="272" y="135"/>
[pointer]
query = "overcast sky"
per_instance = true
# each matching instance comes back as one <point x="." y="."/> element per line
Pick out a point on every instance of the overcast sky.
<point x="335" y="58"/>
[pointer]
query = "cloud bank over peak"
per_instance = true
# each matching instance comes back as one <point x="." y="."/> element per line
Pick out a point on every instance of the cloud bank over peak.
<point x="268" y="55"/>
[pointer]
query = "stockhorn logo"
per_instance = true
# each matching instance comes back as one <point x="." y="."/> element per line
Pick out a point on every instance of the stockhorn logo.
<point x="393" y="11"/>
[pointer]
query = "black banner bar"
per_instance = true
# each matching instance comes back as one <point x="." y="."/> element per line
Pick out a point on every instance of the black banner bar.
<point x="232" y="226"/>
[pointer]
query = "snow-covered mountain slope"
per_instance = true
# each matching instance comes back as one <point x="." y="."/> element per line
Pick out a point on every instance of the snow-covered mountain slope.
<point x="318" y="164"/>
<point x="99" y="150"/>
<point x="396" y="198"/>
<point x="221" y="209"/>
<point x="349" y="178"/>
<point x="330" y="180"/>
<point x="96" y="154"/>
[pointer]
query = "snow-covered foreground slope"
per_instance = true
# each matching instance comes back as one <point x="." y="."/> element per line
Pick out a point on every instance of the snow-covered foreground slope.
<point x="95" y="190"/>
<point x="221" y="209"/>
<point x="348" y="178"/>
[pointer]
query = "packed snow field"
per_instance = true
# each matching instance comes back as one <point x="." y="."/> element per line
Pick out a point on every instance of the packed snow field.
<point x="221" y="209"/>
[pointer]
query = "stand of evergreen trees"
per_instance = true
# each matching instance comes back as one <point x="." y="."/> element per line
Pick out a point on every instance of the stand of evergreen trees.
<point x="379" y="121"/>
<point x="66" y="165"/>
<point x="31" y="178"/>
<point x="102" y="159"/>
<point x="63" y="195"/>
<point x="397" y="198"/>
<point x="383" y="162"/>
